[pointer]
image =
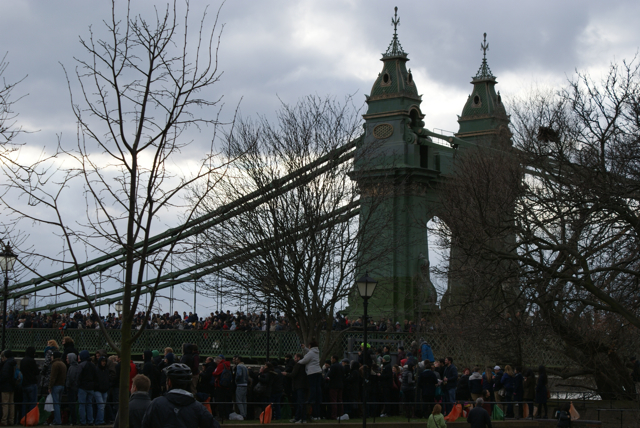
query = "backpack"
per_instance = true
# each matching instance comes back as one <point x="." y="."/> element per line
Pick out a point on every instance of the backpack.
<point x="17" y="377"/>
<point x="226" y="378"/>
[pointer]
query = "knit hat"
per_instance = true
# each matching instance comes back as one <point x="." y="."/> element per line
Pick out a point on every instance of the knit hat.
<point x="84" y="355"/>
<point x="386" y="359"/>
<point x="155" y="354"/>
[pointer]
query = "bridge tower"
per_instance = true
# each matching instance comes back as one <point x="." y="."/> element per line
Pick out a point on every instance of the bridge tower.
<point x="396" y="164"/>
<point x="399" y="168"/>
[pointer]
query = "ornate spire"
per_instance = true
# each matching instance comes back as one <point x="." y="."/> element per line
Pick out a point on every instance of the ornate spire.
<point x="484" y="72"/>
<point x="395" y="49"/>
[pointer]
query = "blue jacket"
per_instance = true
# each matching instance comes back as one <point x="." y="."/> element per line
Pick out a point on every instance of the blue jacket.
<point x="508" y="382"/>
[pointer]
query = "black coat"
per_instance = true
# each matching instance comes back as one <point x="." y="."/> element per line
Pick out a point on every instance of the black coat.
<point x="427" y="382"/>
<point x="165" y="411"/>
<point x="6" y="375"/>
<point x="298" y="377"/>
<point x="138" y="403"/>
<point x="88" y="376"/>
<point x="336" y="376"/>
<point x="102" y="379"/>
<point x="479" y="418"/>
<point x="151" y="371"/>
<point x="30" y="371"/>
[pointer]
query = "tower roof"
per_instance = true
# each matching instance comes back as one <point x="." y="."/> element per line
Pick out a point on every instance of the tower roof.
<point x="394" y="89"/>
<point x="484" y="113"/>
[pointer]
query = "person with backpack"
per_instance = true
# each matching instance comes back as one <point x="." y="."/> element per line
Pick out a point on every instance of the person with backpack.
<point x="8" y="386"/>
<point x="56" y="385"/>
<point x="223" y="384"/>
<point x="178" y="408"/>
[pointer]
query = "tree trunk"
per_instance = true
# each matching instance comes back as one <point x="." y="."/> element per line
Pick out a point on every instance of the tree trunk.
<point x="125" y="361"/>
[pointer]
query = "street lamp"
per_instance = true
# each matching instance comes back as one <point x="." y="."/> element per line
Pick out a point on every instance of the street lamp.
<point x="24" y="301"/>
<point x="366" y="287"/>
<point x="7" y="260"/>
<point x="118" y="307"/>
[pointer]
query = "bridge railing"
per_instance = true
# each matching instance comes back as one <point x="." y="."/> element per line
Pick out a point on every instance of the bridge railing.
<point x="253" y="344"/>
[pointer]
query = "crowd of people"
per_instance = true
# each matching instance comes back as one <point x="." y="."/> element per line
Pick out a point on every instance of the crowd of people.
<point x="218" y="320"/>
<point x="410" y="383"/>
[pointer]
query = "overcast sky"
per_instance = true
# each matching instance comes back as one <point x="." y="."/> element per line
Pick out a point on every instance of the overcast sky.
<point x="273" y="50"/>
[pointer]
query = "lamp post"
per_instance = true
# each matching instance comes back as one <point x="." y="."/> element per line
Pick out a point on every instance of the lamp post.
<point x="7" y="260"/>
<point x="267" y="285"/>
<point x="24" y="302"/>
<point x="118" y="307"/>
<point x="366" y="287"/>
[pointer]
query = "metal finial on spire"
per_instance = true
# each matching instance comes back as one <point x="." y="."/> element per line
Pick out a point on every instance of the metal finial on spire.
<point x="395" y="49"/>
<point x="484" y="72"/>
<point x="484" y="47"/>
<point x="395" y="21"/>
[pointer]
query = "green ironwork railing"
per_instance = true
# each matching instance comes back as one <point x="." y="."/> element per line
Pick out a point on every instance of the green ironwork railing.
<point x="253" y="344"/>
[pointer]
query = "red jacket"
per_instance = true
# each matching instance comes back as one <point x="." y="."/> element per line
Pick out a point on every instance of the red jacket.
<point x="133" y="371"/>
<point x="218" y="371"/>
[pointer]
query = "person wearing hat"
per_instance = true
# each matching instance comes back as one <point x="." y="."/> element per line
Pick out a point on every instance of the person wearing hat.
<point x="178" y="407"/>
<point x="56" y="384"/>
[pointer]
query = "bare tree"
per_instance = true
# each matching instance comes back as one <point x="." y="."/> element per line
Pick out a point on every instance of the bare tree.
<point x="140" y="93"/>
<point x="9" y="129"/>
<point x="551" y="229"/>
<point x="299" y="248"/>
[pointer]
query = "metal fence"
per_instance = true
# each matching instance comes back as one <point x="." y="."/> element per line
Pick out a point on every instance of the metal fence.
<point x="252" y="344"/>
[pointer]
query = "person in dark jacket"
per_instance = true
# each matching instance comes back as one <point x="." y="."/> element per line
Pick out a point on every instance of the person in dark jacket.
<point x="508" y="382"/>
<point x="276" y="392"/>
<point x="541" y="391"/>
<point x="139" y="401"/>
<point x="86" y="383"/>
<point x="478" y="417"/>
<point x="30" y="372"/>
<point x="7" y="386"/>
<point x="427" y="382"/>
<point x="450" y="378"/>
<point x="335" y="381"/>
<point x="56" y="384"/>
<point x="518" y="392"/>
<point x="205" y="384"/>
<point x="73" y="378"/>
<point x="68" y="347"/>
<point x="353" y="382"/>
<point x="178" y="407"/>
<point x="150" y="370"/>
<point x="169" y="359"/>
<point x="408" y="389"/>
<point x="386" y="383"/>
<point x="463" y="393"/>
<point x="300" y="385"/>
<point x="475" y="384"/>
<point x="101" y="389"/>
<point x="529" y="387"/>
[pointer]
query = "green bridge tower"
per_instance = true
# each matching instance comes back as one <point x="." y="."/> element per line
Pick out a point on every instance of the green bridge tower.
<point x="400" y="166"/>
